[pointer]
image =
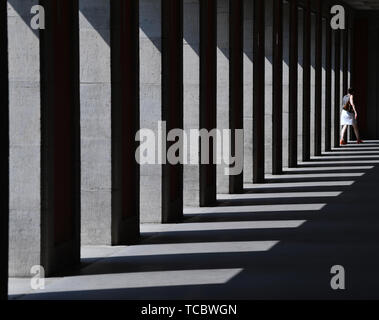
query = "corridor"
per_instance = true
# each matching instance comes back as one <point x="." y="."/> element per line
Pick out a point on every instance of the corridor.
<point x="278" y="240"/>
<point x="85" y="85"/>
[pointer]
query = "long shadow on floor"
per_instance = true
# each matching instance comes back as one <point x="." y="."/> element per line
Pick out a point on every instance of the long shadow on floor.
<point x="343" y="232"/>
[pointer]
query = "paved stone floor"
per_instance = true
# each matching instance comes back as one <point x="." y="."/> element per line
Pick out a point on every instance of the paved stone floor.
<point x="279" y="240"/>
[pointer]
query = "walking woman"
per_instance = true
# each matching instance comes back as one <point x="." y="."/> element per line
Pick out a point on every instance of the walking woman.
<point x="349" y="117"/>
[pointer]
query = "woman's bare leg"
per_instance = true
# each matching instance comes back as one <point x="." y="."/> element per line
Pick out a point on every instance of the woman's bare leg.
<point x="343" y="132"/>
<point x="356" y="130"/>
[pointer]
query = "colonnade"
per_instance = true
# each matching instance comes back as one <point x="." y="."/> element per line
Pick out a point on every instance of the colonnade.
<point x="80" y="90"/>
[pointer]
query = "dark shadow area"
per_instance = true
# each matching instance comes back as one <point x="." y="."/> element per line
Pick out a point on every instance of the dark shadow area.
<point x="24" y="11"/>
<point x="256" y="216"/>
<point x="343" y="232"/>
<point x="93" y="11"/>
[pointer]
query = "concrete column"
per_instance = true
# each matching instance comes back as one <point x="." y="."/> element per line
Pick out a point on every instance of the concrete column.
<point x="125" y="120"/>
<point x="151" y="105"/>
<point x="44" y="138"/>
<point x="259" y="92"/>
<point x="313" y="85"/>
<point x="277" y="91"/>
<point x="333" y="87"/>
<point x="60" y="128"/>
<point x="351" y="57"/>
<point x="172" y="105"/>
<point x="268" y="86"/>
<point x="95" y="120"/>
<point x="223" y="84"/>
<point x="4" y="164"/>
<point x="318" y="79"/>
<point x="25" y="140"/>
<point x="337" y="88"/>
<point x="345" y="59"/>
<point x="300" y="84"/>
<point x="349" y="66"/>
<point x="236" y="84"/>
<point x="323" y="102"/>
<point x="306" y="82"/>
<point x="293" y="79"/>
<point x="191" y="72"/>
<point x="286" y="51"/>
<point x="248" y="90"/>
<point x="208" y="85"/>
<point x="328" y="87"/>
<point x="342" y="93"/>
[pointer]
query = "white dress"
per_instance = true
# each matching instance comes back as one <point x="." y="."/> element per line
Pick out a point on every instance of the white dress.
<point x="347" y="118"/>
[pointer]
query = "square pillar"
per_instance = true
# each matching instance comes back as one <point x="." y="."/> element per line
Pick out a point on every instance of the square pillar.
<point x="223" y="86"/>
<point x="337" y="88"/>
<point x="172" y="105"/>
<point x="44" y="138"/>
<point x="236" y="84"/>
<point x="313" y="84"/>
<point x="328" y="87"/>
<point x="307" y="82"/>
<point x="60" y="130"/>
<point x="318" y="80"/>
<point x="345" y="63"/>
<point x="4" y="145"/>
<point x="268" y="85"/>
<point x="95" y="122"/>
<point x="323" y="87"/>
<point x="248" y="72"/>
<point x="151" y="106"/>
<point x="24" y="140"/>
<point x="293" y="80"/>
<point x="191" y="93"/>
<point x="208" y="88"/>
<point x="125" y="121"/>
<point x="300" y="84"/>
<point x="277" y="91"/>
<point x="259" y="92"/>
<point x="286" y="54"/>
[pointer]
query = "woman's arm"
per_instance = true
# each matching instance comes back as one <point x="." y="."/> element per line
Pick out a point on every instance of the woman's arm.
<point x="353" y="105"/>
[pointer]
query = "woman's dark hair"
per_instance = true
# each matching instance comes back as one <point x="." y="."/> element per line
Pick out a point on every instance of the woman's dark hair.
<point x="350" y="91"/>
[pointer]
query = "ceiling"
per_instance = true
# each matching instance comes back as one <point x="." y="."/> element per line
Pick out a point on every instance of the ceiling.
<point x="364" y="4"/>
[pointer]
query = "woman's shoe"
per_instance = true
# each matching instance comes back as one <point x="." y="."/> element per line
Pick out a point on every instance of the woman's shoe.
<point x="343" y="142"/>
<point x="359" y="141"/>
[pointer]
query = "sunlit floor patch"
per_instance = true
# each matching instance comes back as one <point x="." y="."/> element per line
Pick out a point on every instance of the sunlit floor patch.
<point x="356" y="148"/>
<point x="253" y="209"/>
<point x="316" y="175"/>
<point x="349" y="152"/>
<point x="348" y="162"/>
<point x="139" y="280"/>
<point x="299" y="184"/>
<point x="197" y="248"/>
<point x="363" y="156"/>
<point x="238" y="225"/>
<point x="291" y="195"/>
<point x="291" y="170"/>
